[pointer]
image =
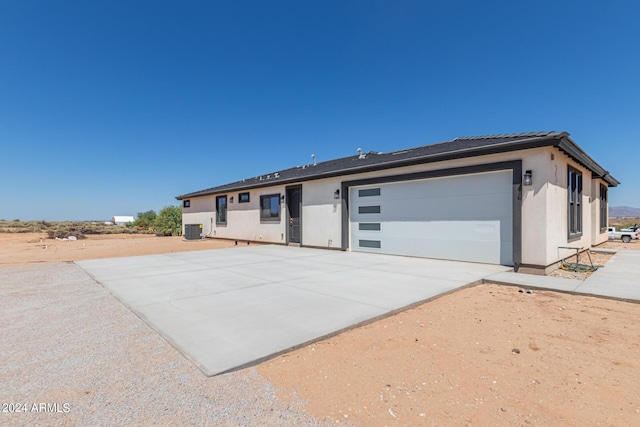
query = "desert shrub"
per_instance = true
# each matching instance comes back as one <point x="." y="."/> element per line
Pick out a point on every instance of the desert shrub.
<point x="169" y="220"/>
<point x="64" y="234"/>
<point x="145" y="219"/>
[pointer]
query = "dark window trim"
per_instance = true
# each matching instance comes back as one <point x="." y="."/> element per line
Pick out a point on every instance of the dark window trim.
<point x="226" y="205"/>
<point x="515" y="166"/>
<point x="186" y="203"/>
<point x="248" y="197"/>
<point x="604" y="204"/>
<point x="271" y="219"/>
<point x="574" y="208"/>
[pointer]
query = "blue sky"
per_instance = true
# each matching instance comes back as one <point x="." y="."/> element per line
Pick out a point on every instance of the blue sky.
<point x="115" y="107"/>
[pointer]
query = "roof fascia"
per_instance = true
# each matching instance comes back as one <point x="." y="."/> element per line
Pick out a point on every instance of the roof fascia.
<point x="560" y="140"/>
<point x="449" y="155"/>
<point x="571" y="148"/>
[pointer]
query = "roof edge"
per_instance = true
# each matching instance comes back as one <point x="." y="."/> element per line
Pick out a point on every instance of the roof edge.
<point x="567" y="145"/>
<point x="560" y="140"/>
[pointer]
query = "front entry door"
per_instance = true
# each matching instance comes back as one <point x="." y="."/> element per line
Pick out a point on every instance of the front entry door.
<point x="294" y="208"/>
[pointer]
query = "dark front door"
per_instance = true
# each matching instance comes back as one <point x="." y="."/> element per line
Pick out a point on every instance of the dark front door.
<point x="294" y="207"/>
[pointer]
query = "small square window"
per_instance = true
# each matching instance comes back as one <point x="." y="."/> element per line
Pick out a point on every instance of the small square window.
<point x="243" y="198"/>
<point x="186" y="203"/>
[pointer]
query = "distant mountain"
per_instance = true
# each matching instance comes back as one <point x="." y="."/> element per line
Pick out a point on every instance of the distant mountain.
<point x="624" y="212"/>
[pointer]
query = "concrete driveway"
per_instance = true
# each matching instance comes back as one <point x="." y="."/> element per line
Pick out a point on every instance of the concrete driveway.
<point x="226" y="309"/>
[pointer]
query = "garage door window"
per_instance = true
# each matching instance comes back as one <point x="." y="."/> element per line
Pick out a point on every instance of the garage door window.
<point x="369" y="244"/>
<point x="369" y="226"/>
<point x="369" y="209"/>
<point x="369" y="192"/>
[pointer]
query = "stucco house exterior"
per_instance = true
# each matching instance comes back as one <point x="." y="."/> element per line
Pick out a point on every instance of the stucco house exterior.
<point x="516" y="199"/>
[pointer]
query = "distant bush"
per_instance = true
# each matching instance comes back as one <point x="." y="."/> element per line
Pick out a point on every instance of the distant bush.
<point x="169" y="221"/>
<point x="145" y="219"/>
<point x="65" y="234"/>
<point x="67" y="228"/>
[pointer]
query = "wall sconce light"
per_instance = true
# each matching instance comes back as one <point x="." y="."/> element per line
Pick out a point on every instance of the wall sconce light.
<point x="231" y="199"/>
<point x="336" y="194"/>
<point x="528" y="178"/>
<point x="282" y="198"/>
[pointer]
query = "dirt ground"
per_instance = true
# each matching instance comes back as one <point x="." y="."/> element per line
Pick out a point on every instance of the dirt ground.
<point x="28" y="248"/>
<point x="485" y="355"/>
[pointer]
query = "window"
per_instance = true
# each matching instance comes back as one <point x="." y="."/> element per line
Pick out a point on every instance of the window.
<point x="369" y="226"/>
<point x="270" y="207"/>
<point x="574" y="188"/>
<point x="604" y="211"/>
<point x="186" y="203"/>
<point x="369" y="192"/>
<point x="369" y="244"/>
<point x="369" y="209"/>
<point x="243" y="198"/>
<point x="221" y="210"/>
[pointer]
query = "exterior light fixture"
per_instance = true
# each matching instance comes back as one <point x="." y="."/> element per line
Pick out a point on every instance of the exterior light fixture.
<point x="282" y="198"/>
<point x="336" y="194"/>
<point x="231" y="199"/>
<point x="528" y="178"/>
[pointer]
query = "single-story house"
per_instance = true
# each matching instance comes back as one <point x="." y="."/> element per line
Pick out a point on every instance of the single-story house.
<point x="122" y="219"/>
<point x="519" y="200"/>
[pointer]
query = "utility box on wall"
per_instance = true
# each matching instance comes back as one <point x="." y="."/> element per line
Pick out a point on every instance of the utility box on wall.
<point x="193" y="231"/>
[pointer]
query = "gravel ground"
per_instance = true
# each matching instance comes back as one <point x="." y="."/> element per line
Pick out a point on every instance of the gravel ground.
<point x="69" y="344"/>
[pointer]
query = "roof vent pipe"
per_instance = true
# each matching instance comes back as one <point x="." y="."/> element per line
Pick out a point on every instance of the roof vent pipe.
<point x="360" y="155"/>
<point x="313" y="156"/>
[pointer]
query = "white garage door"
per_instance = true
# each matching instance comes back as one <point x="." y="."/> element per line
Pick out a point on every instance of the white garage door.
<point x="463" y="217"/>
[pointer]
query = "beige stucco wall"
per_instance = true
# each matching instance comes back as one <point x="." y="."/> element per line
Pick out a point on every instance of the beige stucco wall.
<point x="243" y="219"/>
<point x="544" y="207"/>
<point x="321" y="213"/>
<point x="557" y="207"/>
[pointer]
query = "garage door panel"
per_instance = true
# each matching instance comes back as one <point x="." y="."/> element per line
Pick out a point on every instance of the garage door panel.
<point x="465" y="218"/>
<point x="463" y="250"/>
<point x="460" y="232"/>
<point x="468" y="207"/>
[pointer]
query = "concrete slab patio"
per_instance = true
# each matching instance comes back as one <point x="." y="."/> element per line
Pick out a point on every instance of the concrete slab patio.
<point x="226" y="309"/>
<point x="619" y="279"/>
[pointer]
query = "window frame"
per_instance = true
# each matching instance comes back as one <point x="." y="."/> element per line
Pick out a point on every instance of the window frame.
<point x="186" y="203"/>
<point x="574" y="204"/>
<point x="604" y="208"/>
<point x="220" y="213"/>
<point x="270" y="218"/>
<point x="241" y="197"/>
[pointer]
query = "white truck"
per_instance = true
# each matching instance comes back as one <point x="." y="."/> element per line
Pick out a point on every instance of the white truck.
<point x="625" y="235"/>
